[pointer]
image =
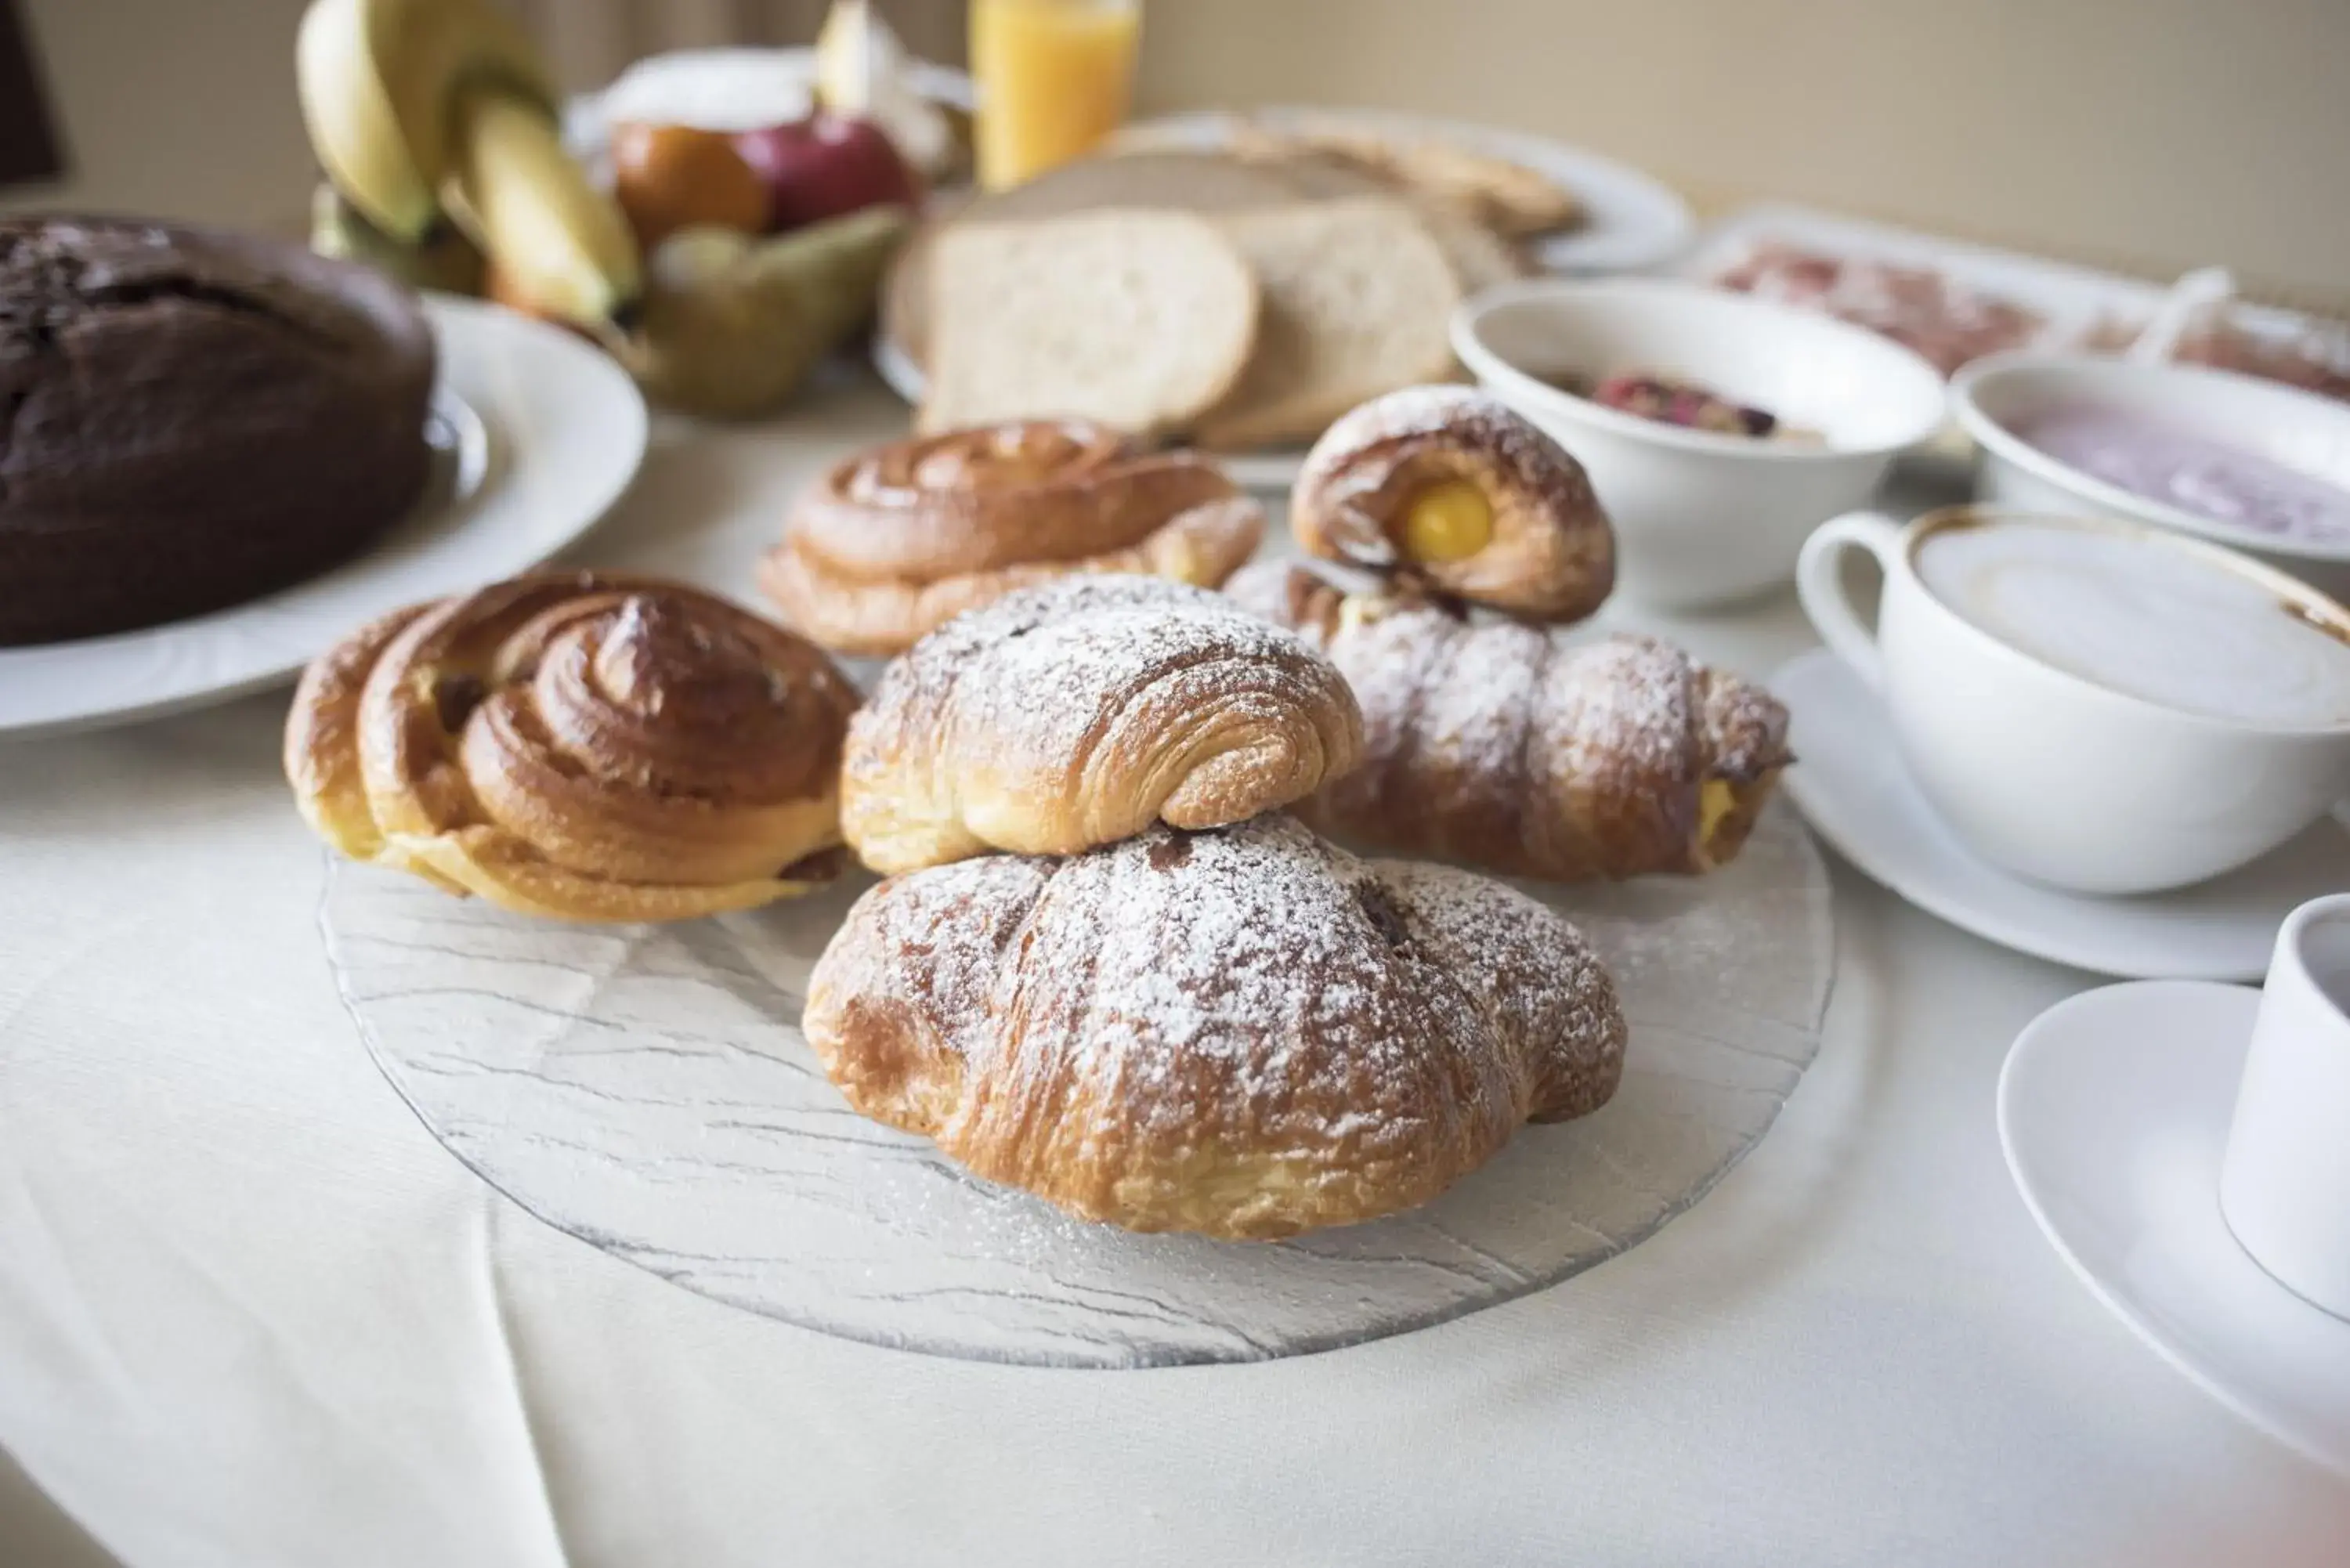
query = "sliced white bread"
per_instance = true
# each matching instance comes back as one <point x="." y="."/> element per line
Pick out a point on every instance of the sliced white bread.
<point x="1356" y="298"/>
<point x="1142" y="320"/>
<point x="1179" y="182"/>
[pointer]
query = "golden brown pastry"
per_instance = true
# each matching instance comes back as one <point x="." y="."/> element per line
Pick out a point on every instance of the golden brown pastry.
<point x="1080" y="712"/>
<point x="1448" y="488"/>
<point x="1247" y="1033"/>
<point x="586" y="746"/>
<point x="1524" y="751"/>
<point x="897" y="540"/>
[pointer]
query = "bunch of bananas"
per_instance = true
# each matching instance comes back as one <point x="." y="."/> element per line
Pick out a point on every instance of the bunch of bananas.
<point x="426" y="113"/>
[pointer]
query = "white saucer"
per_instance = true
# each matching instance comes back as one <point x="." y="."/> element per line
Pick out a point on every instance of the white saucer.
<point x="2113" y="1108"/>
<point x="537" y="434"/>
<point x="1849" y="781"/>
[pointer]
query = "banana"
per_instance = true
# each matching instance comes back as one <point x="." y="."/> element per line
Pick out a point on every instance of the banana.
<point x="354" y="130"/>
<point x="378" y="79"/>
<point x="559" y="243"/>
<point x="422" y="109"/>
<point x="447" y="260"/>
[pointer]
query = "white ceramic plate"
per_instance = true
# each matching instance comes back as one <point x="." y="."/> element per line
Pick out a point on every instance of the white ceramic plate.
<point x="1632" y="219"/>
<point x="537" y="434"/>
<point x="2113" y="1108"/>
<point x="1264" y="472"/>
<point x="2075" y="300"/>
<point x="1849" y="781"/>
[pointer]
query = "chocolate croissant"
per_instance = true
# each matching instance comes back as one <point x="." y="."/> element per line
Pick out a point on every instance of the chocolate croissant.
<point x="585" y="746"/>
<point x="1247" y="1033"/>
<point x="1523" y="751"/>
<point x="897" y="540"/>
<point x="1448" y="490"/>
<point x="1079" y="713"/>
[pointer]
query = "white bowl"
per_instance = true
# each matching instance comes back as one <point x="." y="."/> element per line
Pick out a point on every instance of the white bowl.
<point x="1701" y="518"/>
<point x="2299" y="430"/>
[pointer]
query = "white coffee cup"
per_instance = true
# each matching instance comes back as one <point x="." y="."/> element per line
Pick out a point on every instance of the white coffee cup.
<point x="2046" y="772"/>
<point x="2285" y="1185"/>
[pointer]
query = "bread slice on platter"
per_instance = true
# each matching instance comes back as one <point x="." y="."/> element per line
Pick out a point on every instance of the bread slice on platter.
<point x="1141" y="320"/>
<point x="1356" y="296"/>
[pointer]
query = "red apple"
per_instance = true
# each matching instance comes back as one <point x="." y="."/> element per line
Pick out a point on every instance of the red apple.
<point x="827" y="165"/>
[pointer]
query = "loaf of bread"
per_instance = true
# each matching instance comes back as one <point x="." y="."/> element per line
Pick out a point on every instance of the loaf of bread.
<point x="1140" y="320"/>
<point x="1357" y="301"/>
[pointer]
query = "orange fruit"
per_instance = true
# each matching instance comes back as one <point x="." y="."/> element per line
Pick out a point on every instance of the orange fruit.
<point x="670" y="177"/>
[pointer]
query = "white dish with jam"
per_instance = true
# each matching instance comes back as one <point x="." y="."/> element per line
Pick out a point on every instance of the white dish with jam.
<point x="1703" y="517"/>
<point x="2278" y="437"/>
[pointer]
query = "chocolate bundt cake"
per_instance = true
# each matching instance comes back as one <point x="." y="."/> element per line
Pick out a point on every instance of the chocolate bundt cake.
<point x="190" y="418"/>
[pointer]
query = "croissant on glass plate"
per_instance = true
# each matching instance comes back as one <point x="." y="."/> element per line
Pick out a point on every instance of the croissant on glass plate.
<point x="897" y="540"/>
<point x="1081" y="713"/>
<point x="586" y="746"/>
<point x="1247" y="1033"/>
<point x="1523" y="750"/>
<point x="1449" y="488"/>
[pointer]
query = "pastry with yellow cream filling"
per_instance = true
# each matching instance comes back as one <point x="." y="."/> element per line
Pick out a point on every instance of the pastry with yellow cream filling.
<point x="1446" y="489"/>
<point x="1523" y="750"/>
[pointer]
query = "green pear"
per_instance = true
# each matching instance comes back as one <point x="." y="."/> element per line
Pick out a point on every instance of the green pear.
<point x="733" y="324"/>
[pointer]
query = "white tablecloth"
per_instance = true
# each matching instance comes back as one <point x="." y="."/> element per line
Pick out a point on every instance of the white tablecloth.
<point x="252" y="1314"/>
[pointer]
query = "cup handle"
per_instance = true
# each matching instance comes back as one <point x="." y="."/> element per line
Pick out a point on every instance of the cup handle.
<point x="1819" y="583"/>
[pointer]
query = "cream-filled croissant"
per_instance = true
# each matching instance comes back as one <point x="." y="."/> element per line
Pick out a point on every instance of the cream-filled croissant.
<point x="1449" y="488"/>
<point x="1525" y="750"/>
<point x="1081" y="713"/>
<point x="1247" y="1033"/>
<point x="587" y="746"/>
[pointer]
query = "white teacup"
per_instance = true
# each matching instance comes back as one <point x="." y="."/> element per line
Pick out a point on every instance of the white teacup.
<point x="2285" y="1186"/>
<point x="2077" y="782"/>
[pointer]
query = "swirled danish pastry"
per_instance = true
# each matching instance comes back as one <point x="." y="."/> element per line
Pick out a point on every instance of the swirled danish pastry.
<point x="897" y="540"/>
<point x="581" y="745"/>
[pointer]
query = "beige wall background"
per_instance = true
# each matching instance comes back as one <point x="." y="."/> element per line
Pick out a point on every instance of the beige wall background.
<point x="2154" y="133"/>
<point x="2167" y="132"/>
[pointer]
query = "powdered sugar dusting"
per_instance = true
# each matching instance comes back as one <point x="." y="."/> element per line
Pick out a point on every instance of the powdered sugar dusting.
<point x="1092" y="700"/>
<point x="1525" y="748"/>
<point x="1253" y="988"/>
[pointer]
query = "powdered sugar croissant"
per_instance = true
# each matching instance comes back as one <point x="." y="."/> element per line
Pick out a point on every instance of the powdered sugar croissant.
<point x="1527" y="751"/>
<point x="1247" y="1033"/>
<point x="1081" y="713"/>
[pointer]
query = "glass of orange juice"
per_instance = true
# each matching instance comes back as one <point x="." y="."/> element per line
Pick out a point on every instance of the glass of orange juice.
<point x="1055" y="78"/>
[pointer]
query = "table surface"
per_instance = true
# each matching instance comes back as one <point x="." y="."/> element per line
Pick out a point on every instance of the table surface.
<point x="251" y="1313"/>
